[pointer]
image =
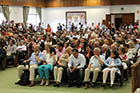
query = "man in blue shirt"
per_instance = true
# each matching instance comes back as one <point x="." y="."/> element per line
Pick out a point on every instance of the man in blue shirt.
<point x="94" y="66"/>
<point x="33" y="61"/>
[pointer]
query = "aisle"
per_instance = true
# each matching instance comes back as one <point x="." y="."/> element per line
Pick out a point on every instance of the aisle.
<point x="9" y="76"/>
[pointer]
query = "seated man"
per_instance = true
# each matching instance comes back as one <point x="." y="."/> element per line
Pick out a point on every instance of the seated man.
<point x="21" y="52"/>
<point x="34" y="60"/>
<point x="11" y="51"/>
<point x="94" y="66"/>
<point x="76" y="64"/>
<point x="21" y="47"/>
<point x="2" y="57"/>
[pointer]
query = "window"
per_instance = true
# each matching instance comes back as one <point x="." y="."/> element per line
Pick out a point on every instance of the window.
<point x="33" y="17"/>
<point x="2" y="18"/>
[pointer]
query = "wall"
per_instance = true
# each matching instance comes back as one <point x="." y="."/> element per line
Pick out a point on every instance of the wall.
<point x="127" y="9"/>
<point x="55" y="15"/>
<point x="94" y="14"/>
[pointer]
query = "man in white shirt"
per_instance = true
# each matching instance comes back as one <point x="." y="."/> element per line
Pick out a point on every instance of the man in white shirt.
<point x="79" y="26"/>
<point x="85" y="26"/>
<point x="21" y="46"/>
<point x="93" y="27"/>
<point x="76" y="64"/>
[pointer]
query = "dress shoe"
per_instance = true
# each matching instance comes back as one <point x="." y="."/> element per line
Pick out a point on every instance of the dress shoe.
<point x="31" y="84"/>
<point x="70" y="85"/>
<point x="104" y="85"/>
<point x="93" y="85"/>
<point x="18" y="82"/>
<point x="78" y="85"/>
<point x="86" y="86"/>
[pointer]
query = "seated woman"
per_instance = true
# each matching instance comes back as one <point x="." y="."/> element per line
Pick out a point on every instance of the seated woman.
<point x="50" y="60"/>
<point x="123" y="57"/>
<point x="131" y="51"/>
<point x="112" y="64"/>
<point x="47" y="48"/>
<point x="62" y="65"/>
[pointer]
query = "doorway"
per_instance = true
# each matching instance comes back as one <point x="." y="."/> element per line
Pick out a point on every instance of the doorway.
<point x="118" y="22"/>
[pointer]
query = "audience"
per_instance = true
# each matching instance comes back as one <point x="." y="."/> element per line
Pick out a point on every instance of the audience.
<point x="112" y="48"/>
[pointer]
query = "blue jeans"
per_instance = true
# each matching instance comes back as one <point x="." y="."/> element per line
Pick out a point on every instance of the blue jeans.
<point x="44" y="71"/>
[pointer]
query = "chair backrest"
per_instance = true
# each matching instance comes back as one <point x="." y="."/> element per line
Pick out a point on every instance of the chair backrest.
<point x="135" y="76"/>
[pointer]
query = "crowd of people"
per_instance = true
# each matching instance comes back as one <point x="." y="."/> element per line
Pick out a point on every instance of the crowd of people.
<point x="76" y="52"/>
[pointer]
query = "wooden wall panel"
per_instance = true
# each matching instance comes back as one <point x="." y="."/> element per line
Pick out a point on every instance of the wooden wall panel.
<point x="55" y="3"/>
<point x="66" y="3"/>
<point x="124" y="2"/>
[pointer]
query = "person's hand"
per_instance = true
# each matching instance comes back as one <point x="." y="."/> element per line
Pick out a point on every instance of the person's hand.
<point x="89" y="67"/>
<point x="74" y="68"/>
<point x="96" y="56"/>
<point x="44" y="63"/>
<point x="25" y="61"/>
<point x="111" y="66"/>
<point x="61" y="65"/>
<point x="71" y="70"/>
<point x="36" y="53"/>
<point x="52" y="53"/>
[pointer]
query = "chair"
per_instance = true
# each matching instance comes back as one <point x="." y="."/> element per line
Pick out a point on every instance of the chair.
<point x="118" y="77"/>
<point x="3" y="62"/>
<point x="20" y="57"/>
<point x="135" y="68"/>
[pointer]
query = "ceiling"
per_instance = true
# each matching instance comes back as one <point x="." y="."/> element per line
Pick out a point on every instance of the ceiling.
<point x="66" y="3"/>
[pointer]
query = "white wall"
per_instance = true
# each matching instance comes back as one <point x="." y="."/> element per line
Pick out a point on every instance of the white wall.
<point x="53" y="16"/>
<point x="127" y="9"/>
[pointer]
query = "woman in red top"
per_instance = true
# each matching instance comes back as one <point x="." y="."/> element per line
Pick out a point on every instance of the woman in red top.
<point x="48" y="29"/>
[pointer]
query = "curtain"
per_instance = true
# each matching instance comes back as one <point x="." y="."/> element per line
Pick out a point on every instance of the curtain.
<point x="6" y="12"/>
<point x="25" y="14"/>
<point x="38" y="10"/>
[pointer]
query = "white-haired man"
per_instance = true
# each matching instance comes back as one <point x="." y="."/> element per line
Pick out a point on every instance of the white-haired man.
<point x="94" y="66"/>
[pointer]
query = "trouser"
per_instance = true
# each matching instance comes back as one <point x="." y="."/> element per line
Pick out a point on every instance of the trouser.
<point x="32" y="69"/>
<point x="112" y="75"/>
<point x="44" y="71"/>
<point x="77" y="74"/>
<point x="95" y="71"/>
<point x="58" y="73"/>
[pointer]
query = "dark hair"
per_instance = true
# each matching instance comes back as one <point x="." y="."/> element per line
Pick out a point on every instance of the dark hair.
<point x="89" y="46"/>
<point x="123" y="50"/>
<point x="116" y="53"/>
<point x="12" y="41"/>
<point x="75" y="50"/>
<point x="52" y="50"/>
<point x="60" y="44"/>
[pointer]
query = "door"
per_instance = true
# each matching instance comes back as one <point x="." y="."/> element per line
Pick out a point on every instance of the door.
<point x="118" y="22"/>
<point x="108" y="21"/>
<point x="128" y="19"/>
